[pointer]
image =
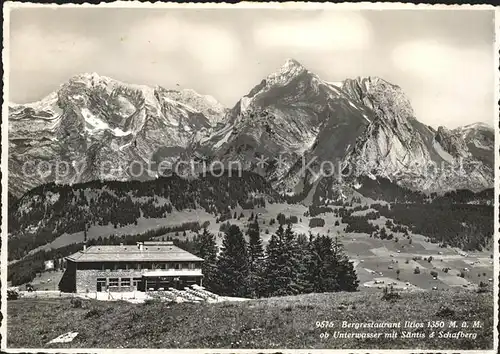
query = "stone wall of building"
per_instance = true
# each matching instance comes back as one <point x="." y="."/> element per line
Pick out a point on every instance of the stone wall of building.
<point x="86" y="280"/>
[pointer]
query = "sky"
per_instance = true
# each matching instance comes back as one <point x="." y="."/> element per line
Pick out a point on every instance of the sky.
<point x="442" y="59"/>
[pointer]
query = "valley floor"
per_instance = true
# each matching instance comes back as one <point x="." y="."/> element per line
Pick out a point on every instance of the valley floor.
<point x="286" y="322"/>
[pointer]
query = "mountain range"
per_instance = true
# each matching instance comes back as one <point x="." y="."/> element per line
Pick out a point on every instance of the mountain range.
<point x="98" y="128"/>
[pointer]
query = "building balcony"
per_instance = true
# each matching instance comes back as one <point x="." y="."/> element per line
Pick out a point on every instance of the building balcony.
<point x="173" y="273"/>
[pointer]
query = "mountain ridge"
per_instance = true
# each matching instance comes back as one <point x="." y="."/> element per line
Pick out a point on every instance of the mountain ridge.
<point x="292" y="113"/>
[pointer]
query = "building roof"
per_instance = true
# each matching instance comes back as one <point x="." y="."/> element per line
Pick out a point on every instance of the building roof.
<point x="150" y="252"/>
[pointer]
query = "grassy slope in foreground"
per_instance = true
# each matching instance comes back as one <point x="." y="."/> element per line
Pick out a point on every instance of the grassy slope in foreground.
<point x="287" y="322"/>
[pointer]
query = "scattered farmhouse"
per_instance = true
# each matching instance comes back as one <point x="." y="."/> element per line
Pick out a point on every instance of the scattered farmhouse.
<point x="145" y="266"/>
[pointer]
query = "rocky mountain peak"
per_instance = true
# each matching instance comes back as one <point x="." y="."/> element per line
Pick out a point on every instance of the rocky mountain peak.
<point x="451" y="142"/>
<point x="366" y="121"/>
<point x="290" y="69"/>
<point x="387" y="101"/>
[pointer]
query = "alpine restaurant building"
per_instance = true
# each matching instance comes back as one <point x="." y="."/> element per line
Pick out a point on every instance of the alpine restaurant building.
<point x="146" y="266"/>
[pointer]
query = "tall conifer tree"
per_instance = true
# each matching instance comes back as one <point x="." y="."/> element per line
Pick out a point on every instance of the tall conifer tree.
<point x="207" y="249"/>
<point x="231" y="278"/>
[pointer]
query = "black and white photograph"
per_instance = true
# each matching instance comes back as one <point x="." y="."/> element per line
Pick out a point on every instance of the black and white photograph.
<point x="251" y="177"/>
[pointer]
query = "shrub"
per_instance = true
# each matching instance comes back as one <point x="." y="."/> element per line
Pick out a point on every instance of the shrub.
<point x="76" y="303"/>
<point x="93" y="313"/>
<point x="151" y="301"/>
<point x="462" y="275"/>
<point x="389" y="294"/>
<point x="434" y="273"/>
<point x="416" y="270"/>
<point x="445" y="311"/>
<point x="483" y="287"/>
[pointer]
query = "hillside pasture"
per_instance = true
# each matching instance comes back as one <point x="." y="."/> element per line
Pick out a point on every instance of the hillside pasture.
<point x="275" y="323"/>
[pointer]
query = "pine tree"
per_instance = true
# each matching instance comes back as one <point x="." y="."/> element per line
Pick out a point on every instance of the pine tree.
<point x="207" y="249"/>
<point x="231" y="278"/>
<point x="255" y="248"/>
<point x="321" y="272"/>
<point x="282" y="264"/>
<point x="255" y="257"/>
<point x="347" y="279"/>
<point x="270" y="284"/>
<point x="327" y="268"/>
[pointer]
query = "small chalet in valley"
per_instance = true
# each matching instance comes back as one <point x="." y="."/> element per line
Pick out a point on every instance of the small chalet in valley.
<point x="145" y="266"/>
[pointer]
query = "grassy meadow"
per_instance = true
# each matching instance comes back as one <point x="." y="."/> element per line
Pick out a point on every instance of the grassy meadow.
<point x="284" y="322"/>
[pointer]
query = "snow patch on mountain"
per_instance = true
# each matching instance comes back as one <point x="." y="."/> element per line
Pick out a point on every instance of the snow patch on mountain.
<point x="293" y="113"/>
<point x="480" y="145"/>
<point x="337" y="84"/>
<point x="94" y="124"/>
<point x="286" y="73"/>
<point x="245" y="103"/>
<point x="441" y="152"/>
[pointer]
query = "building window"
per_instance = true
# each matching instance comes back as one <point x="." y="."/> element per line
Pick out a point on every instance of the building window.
<point x="192" y="266"/>
<point x="138" y="266"/>
<point x="177" y="266"/>
<point x="136" y="281"/>
<point x="125" y="282"/>
<point x="101" y="284"/>
<point x="113" y="281"/>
